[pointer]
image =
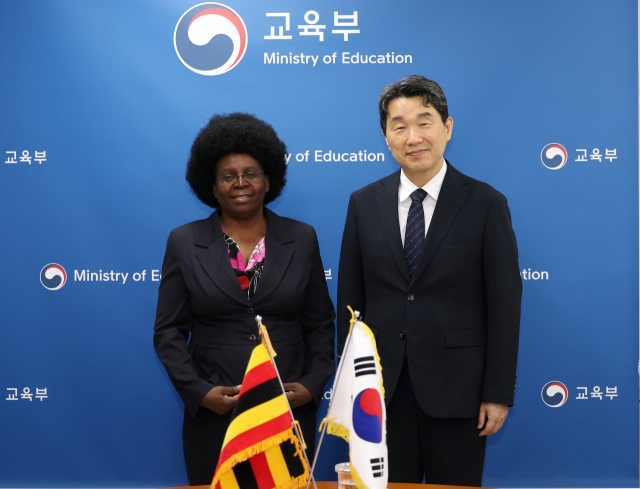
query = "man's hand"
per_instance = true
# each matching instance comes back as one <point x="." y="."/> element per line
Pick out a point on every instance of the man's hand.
<point x="297" y="394"/>
<point x="221" y="399"/>
<point x="491" y="417"/>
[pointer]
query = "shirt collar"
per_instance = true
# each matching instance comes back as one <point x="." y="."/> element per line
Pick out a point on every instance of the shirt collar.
<point x="432" y="187"/>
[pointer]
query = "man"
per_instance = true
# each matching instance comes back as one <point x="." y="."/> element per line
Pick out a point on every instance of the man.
<point x="430" y="260"/>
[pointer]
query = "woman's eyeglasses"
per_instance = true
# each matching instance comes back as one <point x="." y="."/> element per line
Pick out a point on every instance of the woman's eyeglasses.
<point x="249" y="177"/>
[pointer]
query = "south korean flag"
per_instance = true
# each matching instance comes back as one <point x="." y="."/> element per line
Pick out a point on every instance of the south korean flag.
<point x="357" y="411"/>
<point x="368" y="437"/>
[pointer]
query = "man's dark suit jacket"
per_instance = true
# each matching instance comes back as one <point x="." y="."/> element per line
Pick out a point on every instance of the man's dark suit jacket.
<point x="459" y="315"/>
<point x="200" y="296"/>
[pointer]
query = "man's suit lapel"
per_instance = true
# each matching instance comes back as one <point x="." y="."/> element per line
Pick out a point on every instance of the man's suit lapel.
<point x="279" y="243"/>
<point x="450" y="200"/>
<point x="387" y="198"/>
<point x="211" y="252"/>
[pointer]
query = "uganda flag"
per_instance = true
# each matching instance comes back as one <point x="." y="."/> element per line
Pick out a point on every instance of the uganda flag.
<point x="260" y="449"/>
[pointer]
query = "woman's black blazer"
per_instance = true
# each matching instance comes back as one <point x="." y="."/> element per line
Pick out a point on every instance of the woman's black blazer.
<point x="205" y="325"/>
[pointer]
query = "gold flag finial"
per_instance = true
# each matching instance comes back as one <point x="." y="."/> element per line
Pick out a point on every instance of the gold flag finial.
<point x="355" y="316"/>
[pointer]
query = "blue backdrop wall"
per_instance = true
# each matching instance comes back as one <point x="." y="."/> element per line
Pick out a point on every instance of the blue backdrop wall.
<point x="100" y="104"/>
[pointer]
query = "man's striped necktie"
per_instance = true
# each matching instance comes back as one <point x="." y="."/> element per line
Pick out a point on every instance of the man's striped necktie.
<point x="414" y="233"/>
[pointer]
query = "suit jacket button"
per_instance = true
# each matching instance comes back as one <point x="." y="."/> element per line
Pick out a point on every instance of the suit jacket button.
<point x="410" y="297"/>
<point x="250" y="310"/>
<point x="403" y="335"/>
<point x="252" y="337"/>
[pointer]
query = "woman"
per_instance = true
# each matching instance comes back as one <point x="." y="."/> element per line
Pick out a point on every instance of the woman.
<point x="220" y="272"/>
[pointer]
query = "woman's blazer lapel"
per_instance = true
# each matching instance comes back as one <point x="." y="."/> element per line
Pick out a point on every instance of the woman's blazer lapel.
<point x="211" y="252"/>
<point x="280" y="246"/>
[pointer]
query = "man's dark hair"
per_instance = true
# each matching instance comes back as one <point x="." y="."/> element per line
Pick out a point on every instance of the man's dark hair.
<point x="413" y="86"/>
<point x="235" y="133"/>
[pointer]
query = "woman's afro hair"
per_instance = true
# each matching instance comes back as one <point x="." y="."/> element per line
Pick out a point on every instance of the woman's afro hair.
<point x="235" y="133"/>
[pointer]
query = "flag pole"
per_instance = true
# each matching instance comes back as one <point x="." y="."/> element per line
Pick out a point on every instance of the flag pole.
<point x="315" y="455"/>
<point x="355" y="316"/>
<point x="296" y="426"/>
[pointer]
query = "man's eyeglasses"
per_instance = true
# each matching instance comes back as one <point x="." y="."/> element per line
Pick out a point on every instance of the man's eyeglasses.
<point x="250" y="177"/>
